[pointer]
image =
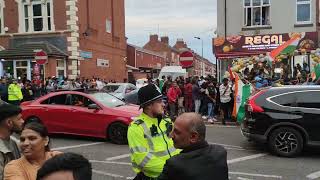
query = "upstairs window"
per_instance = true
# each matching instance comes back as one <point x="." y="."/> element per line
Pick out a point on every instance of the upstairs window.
<point x="2" y="17"/>
<point x="256" y="13"/>
<point x="303" y="11"/>
<point x="37" y="15"/>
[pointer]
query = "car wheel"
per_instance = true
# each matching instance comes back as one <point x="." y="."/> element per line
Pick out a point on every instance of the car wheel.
<point x="117" y="133"/>
<point x="286" y="142"/>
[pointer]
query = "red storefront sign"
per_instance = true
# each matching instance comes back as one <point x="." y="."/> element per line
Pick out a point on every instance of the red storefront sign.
<point x="240" y="46"/>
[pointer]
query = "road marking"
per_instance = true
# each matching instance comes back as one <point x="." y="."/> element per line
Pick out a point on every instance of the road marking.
<point x="107" y="174"/>
<point x="76" y="146"/>
<point x="245" y="158"/>
<point x="226" y="145"/>
<point x="130" y="177"/>
<point x="241" y="178"/>
<point x="314" y="175"/>
<point x="222" y="126"/>
<point x="256" y="175"/>
<point x="111" y="162"/>
<point x="118" y="157"/>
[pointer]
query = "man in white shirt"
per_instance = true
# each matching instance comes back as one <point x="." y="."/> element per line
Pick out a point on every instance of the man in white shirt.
<point x="225" y="99"/>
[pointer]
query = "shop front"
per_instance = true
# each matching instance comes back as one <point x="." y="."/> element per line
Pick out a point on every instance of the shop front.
<point x="258" y="47"/>
<point x="20" y="63"/>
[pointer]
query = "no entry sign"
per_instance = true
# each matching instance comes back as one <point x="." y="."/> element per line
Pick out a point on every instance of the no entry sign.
<point x="41" y="57"/>
<point x="186" y="59"/>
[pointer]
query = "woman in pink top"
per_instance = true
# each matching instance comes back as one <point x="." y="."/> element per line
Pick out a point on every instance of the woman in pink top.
<point x="34" y="144"/>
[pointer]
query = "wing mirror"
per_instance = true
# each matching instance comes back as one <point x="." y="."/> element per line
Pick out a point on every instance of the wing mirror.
<point x="93" y="106"/>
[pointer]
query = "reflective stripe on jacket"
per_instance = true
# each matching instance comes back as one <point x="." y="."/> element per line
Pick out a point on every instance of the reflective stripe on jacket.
<point x="150" y="145"/>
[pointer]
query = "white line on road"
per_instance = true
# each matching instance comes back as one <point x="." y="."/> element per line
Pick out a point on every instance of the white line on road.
<point x="226" y="145"/>
<point x="107" y="174"/>
<point x="241" y="178"/>
<point x="245" y="158"/>
<point x="222" y="126"/>
<point x="314" y="175"/>
<point x="76" y="146"/>
<point x="118" y="157"/>
<point x="256" y="175"/>
<point x="111" y="162"/>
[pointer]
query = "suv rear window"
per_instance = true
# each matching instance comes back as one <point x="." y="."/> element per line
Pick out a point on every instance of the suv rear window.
<point x="305" y="99"/>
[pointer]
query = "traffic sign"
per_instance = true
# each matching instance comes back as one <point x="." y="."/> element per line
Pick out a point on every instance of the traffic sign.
<point x="186" y="59"/>
<point x="41" y="57"/>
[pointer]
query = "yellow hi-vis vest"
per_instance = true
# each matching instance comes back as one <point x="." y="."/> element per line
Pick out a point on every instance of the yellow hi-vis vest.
<point x="14" y="93"/>
<point x="150" y="145"/>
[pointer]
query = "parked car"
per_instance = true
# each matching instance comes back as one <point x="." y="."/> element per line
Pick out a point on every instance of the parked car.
<point x="94" y="114"/>
<point x="132" y="97"/>
<point x="286" y="118"/>
<point x="119" y="89"/>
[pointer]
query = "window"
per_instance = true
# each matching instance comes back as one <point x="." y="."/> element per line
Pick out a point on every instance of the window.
<point x="80" y="101"/>
<point x="303" y="11"/>
<point x="256" y="13"/>
<point x="108" y="26"/>
<point x="56" y="100"/>
<point x="61" y="68"/>
<point x="37" y="15"/>
<point x="304" y="99"/>
<point x="1" y="17"/>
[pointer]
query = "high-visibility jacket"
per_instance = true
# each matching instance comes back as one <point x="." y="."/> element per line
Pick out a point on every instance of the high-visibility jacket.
<point x="14" y="93"/>
<point x="150" y="145"/>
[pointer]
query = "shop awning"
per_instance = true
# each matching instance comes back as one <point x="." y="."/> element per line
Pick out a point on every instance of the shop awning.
<point x="27" y="50"/>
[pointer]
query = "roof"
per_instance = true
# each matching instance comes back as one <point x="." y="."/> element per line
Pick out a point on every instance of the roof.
<point x="27" y="50"/>
<point x="147" y="51"/>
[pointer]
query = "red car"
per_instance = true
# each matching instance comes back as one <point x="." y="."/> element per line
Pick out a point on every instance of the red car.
<point x="94" y="114"/>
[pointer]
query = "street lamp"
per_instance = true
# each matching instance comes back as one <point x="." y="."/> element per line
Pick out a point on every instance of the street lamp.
<point x="201" y="53"/>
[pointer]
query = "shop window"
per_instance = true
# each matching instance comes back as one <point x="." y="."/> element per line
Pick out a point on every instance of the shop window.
<point x="37" y="15"/>
<point x="303" y="11"/>
<point x="256" y="13"/>
<point x="61" y="68"/>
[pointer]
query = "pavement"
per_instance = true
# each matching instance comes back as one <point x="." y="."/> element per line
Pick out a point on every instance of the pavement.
<point x="246" y="160"/>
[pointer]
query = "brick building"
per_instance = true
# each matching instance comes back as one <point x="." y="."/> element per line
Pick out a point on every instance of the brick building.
<point x="201" y="67"/>
<point x="144" y="62"/>
<point x="81" y="37"/>
<point x="162" y="46"/>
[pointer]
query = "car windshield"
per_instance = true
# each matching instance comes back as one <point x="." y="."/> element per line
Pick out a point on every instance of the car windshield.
<point x="114" y="88"/>
<point x="107" y="99"/>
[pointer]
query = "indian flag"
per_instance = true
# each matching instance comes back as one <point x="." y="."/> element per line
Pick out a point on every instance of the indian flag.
<point x="241" y="94"/>
<point x="286" y="48"/>
<point x="315" y="75"/>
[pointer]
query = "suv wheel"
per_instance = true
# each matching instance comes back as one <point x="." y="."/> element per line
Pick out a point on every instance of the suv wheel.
<point x="286" y="142"/>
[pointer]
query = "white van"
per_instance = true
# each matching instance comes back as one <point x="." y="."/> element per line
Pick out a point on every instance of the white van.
<point x="173" y="71"/>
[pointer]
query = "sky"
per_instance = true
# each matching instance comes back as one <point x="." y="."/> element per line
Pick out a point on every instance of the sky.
<point x="176" y="19"/>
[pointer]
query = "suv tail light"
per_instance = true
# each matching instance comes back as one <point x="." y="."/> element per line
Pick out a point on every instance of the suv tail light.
<point x="252" y="106"/>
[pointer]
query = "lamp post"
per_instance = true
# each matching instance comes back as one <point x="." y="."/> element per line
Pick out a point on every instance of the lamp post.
<point x="201" y="53"/>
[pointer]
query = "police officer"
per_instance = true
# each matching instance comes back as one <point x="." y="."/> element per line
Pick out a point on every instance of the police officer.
<point x="148" y="135"/>
<point x="14" y="93"/>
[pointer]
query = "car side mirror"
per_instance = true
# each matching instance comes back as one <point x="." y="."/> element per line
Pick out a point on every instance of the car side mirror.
<point x="93" y="106"/>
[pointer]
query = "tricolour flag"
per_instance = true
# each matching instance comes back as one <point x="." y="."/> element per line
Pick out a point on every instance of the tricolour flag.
<point x="241" y="94"/>
<point x="315" y="75"/>
<point x="286" y="48"/>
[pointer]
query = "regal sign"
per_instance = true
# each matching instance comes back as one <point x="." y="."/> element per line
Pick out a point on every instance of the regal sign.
<point x="237" y="46"/>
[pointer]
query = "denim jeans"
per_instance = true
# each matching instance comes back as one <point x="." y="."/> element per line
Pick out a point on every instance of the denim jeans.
<point x="210" y="110"/>
<point x="197" y="104"/>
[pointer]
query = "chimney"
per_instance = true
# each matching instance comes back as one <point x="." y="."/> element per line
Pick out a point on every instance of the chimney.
<point x="165" y="40"/>
<point x="154" y="38"/>
<point x="180" y="44"/>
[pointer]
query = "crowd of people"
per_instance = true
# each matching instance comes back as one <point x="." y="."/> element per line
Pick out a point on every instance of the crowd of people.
<point x="201" y="95"/>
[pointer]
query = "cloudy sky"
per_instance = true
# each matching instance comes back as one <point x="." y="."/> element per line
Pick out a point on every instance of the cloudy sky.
<point x="174" y="18"/>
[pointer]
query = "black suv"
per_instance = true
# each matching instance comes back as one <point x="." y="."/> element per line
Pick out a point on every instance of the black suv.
<point x="286" y="118"/>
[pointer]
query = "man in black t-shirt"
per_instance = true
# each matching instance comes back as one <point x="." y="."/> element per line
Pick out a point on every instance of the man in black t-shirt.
<point x="211" y="97"/>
